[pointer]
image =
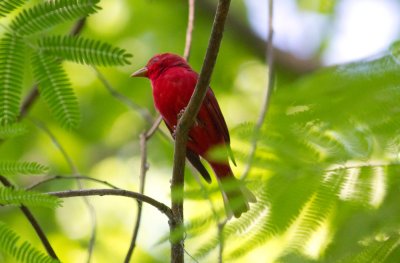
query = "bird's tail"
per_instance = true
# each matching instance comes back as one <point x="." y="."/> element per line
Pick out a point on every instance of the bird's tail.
<point x="235" y="194"/>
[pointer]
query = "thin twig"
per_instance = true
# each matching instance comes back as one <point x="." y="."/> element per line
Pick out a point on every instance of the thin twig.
<point x="187" y="121"/>
<point x="143" y="112"/>
<point x="221" y="239"/>
<point x="75" y="171"/>
<point x="34" y="223"/>
<point x="154" y="127"/>
<point x="143" y="170"/>
<point x="69" y="177"/>
<point x="116" y="192"/>
<point x="189" y="30"/>
<point x="268" y="91"/>
<point x="144" y="137"/>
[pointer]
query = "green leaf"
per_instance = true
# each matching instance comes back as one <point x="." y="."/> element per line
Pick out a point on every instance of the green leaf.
<point x="9" y="196"/>
<point x="13" y="130"/>
<point x="56" y="90"/>
<point x="11" y="75"/>
<point x="7" y="6"/>
<point x="84" y="51"/>
<point x="51" y="13"/>
<point x="12" y="168"/>
<point x="21" y="253"/>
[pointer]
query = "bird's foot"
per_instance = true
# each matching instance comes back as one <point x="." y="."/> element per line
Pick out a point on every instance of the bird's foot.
<point x="180" y="114"/>
<point x="173" y="131"/>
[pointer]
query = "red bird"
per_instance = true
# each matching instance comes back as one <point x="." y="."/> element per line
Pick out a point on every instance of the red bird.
<point x="173" y="82"/>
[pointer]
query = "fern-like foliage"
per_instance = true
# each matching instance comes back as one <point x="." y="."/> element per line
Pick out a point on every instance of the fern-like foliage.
<point x="326" y="169"/>
<point x="13" y="130"/>
<point x="84" y="51"/>
<point x="12" y="168"/>
<point x="56" y="90"/>
<point x="7" y="6"/>
<point x="10" y="244"/>
<point x="11" y="71"/>
<point x="10" y="196"/>
<point x="51" y="13"/>
<point x="377" y="250"/>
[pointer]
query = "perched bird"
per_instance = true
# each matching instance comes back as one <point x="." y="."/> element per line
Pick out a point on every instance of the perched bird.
<point x="173" y="82"/>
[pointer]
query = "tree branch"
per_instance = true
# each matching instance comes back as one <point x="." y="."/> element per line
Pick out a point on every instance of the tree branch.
<point x="117" y="192"/>
<point x="34" y="223"/>
<point x="268" y="90"/>
<point x="187" y="121"/>
<point x="189" y="30"/>
<point x="70" y="177"/>
<point x="144" y="137"/>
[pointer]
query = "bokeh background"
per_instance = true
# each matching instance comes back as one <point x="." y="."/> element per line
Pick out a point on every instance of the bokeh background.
<point x="309" y="34"/>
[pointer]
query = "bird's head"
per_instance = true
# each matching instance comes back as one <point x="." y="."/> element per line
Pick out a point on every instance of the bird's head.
<point x="160" y="63"/>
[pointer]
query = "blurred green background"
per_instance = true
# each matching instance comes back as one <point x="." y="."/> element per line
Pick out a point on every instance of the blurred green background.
<point x="106" y="145"/>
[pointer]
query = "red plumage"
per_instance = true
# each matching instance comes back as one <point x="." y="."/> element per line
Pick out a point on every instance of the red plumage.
<point x="173" y="82"/>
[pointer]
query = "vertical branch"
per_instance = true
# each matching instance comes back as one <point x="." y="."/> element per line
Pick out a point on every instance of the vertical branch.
<point x="221" y="239"/>
<point x="187" y="120"/>
<point x="189" y="30"/>
<point x="144" y="137"/>
<point x="269" y="88"/>
<point x="35" y="224"/>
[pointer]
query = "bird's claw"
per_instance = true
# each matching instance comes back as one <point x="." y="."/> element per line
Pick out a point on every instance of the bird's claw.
<point x="180" y="114"/>
<point x="173" y="131"/>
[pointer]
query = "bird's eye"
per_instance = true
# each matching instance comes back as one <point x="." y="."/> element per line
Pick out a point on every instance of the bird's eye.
<point x="155" y="60"/>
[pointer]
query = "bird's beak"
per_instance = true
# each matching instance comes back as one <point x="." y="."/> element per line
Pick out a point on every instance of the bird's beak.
<point x="140" y="73"/>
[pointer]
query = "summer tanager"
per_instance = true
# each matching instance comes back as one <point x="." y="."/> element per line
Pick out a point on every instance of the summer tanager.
<point x="173" y="82"/>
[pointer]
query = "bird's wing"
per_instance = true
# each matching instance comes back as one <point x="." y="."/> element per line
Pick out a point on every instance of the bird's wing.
<point x="218" y="120"/>
<point x="194" y="159"/>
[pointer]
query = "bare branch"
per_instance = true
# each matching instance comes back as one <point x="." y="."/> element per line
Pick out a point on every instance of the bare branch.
<point x="268" y="91"/>
<point x="189" y="30"/>
<point x="34" y="223"/>
<point x="143" y="112"/>
<point x="69" y="177"/>
<point x="187" y="121"/>
<point x="117" y="192"/>
<point x="154" y="127"/>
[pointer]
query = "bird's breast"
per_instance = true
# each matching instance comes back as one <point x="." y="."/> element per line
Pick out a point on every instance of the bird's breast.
<point x="171" y="93"/>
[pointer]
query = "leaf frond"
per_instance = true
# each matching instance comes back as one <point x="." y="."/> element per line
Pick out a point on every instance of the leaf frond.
<point x="11" y="76"/>
<point x="12" y="168"/>
<point x="84" y="51"/>
<point x="51" y="13"/>
<point x="7" y="6"/>
<point x="13" y="130"/>
<point x="25" y="252"/>
<point x="9" y="196"/>
<point x="56" y="90"/>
